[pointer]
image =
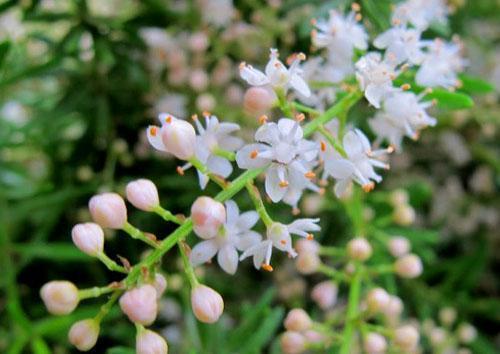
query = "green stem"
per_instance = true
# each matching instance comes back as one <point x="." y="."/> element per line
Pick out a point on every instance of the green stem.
<point x="352" y="310"/>
<point x="283" y="103"/>
<point x="333" y="273"/>
<point x="111" y="264"/>
<point x="107" y="306"/>
<point x="302" y="108"/>
<point x="188" y="268"/>
<point x="139" y="235"/>
<point x="200" y="166"/>
<point x="333" y="142"/>
<point x="258" y="203"/>
<point x="229" y="155"/>
<point x="166" y="215"/>
<point x="94" y="292"/>
<point x="332" y="251"/>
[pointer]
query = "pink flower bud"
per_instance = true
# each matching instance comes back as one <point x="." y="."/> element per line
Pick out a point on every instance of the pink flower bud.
<point x="374" y="343"/>
<point x="466" y="333"/>
<point x="409" y="266"/>
<point x="179" y="137"/>
<point x="359" y="249"/>
<point x="83" y="334"/>
<point x="406" y="337"/>
<point x="377" y="300"/>
<point x="139" y="304"/>
<point x="108" y="210"/>
<point x="258" y="100"/>
<point x="143" y="194"/>
<point x="160" y="284"/>
<point x="198" y="79"/>
<point x="60" y="297"/>
<point x="399" y="197"/>
<point x="297" y="320"/>
<point x="437" y="336"/>
<point x="149" y="342"/>
<point x="304" y="245"/>
<point x="399" y="246"/>
<point x="447" y="316"/>
<point x="198" y="42"/>
<point x="325" y="294"/>
<point x="404" y="215"/>
<point x="208" y="215"/>
<point x="394" y="308"/>
<point x="207" y="304"/>
<point x="313" y="336"/>
<point x="307" y="263"/>
<point x="88" y="237"/>
<point x="292" y="343"/>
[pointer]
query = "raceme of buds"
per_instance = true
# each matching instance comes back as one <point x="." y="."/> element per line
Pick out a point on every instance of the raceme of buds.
<point x="208" y="215"/>
<point x="149" y="342"/>
<point x="292" y="342"/>
<point x="207" y="304"/>
<point x="406" y="337"/>
<point x="359" y="249"/>
<point x="108" y="210"/>
<point x="140" y="304"/>
<point x="409" y="266"/>
<point x="60" y="297"/>
<point x="258" y="100"/>
<point x="143" y="194"/>
<point x="377" y="300"/>
<point x="297" y="320"/>
<point x="325" y="294"/>
<point x="83" y="334"/>
<point x="88" y="237"/>
<point x="399" y="246"/>
<point x="179" y="138"/>
<point x="374" y="343"/>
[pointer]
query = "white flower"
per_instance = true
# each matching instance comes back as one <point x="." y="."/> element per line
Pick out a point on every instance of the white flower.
<point x="402" y="114"/>
<point x="235" y="234"/>
<point x="441" y="65"/>
<point x="402" y="44"/>
<point x="357" y="166"/>
<point x="277" y="75"/>
<point x="375" y="77"/>
<point x="420" y="13"/>
<point x="281" y="145"/>
<point x="340" y="34"/>
<point x="217" y="12"/>
<point x="278" y="236"/>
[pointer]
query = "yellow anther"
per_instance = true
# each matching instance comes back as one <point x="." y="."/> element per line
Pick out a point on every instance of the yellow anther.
<point x="267" y="267"/>
<point x="310" y="174"/>
<point x="153" y="131"/>
<point x="254" y="154"/>
<point x="263" y="119"/>
<point x="283" y="184"/>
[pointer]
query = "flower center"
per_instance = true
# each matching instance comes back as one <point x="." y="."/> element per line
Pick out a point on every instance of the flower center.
<point x="284" y="152"/>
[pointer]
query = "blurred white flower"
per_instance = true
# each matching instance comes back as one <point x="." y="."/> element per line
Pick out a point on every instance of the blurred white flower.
<point x="420" y="13"/>
<point x="401" y="44"/>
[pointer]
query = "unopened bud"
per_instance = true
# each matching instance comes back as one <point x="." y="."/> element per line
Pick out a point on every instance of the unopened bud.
<point x="160" y="284"/>
<point x="374" y="343"/>
<point x="466" y="333"/>
<point x="83" y="334"/>
<point x="208" y="215"/>
<point x="406" y="337"/>
<point x="437" y="336"/>
<point x="292" y="343"/>
<point x="179" y="138"/>
<point x="149" y="342"/>
<point x="325" y="294"/>
<point x="297" y="320"/>
<point x="359" y="249"/>
<point x="313" y="336"/>
<point x="399" y="246"/>
<point x="394" y="308"/>
<point x="307" y="263"/>
<point x="258" y="100"/>
<point x="399" y="197"/>
<point x="198" y="79"/>
<point x="447" y="316"/>
<point x="143" y="194"/>
<point x="140" y="305"/>
<point x="409" y="266"/>
<point x="377" y="300"/>
<point x="404" y="215"/>
<point x="60" y="297"/>
<point x="307" y="246"/>
<point x="88" y="237"/>
<point x="207" y="304"/>
<point x="108" y="210"/>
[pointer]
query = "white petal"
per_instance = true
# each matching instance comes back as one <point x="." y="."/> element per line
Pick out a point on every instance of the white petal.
<point x="228" y="259"/>
<point x="230" y="143"/>
<point x="341" y="187"/>
<point x="154" y="138"/>
<point x="340" y="168"/>
<point x="285" y="126"/>
<point x="247" y="240"/>
<point x="300" y="85"/>
<point x="203" y="252"/>
<point x="244" y="159"/>
<point x="272" y="184"/>
<point x="268" y="133"/>
<point x="232" y="212"/>
<point x="352" y="144"/>
<point x="253" y="76"/>
<point x="203" y="179"/>
<point x="374" y="94"/>
<point x="367" y="146"/>
<point x="247" y="220"/>
<point x="226" y="128"/>
<point x="219" y="166"/>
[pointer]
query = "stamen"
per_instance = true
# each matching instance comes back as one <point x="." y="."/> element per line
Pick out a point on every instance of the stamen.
<point x="267" y="267"/>
<point x="254" y="154"/>
<point x="295" y="211"/>
<point x="206" y="114"/>
<point x="355" y="7"/>
<point x="168" y="119"/>
<point x="194" y="117"/>
<point x="300" y="117"/>
<point x="153" y="131"/>
<point x="301" y="56"/>
<point x="396" y="22"/>
<point x="322" y="191"/>
<point x="263" y="119"/>
<point x="310" y="175"/>
<point x="314" y="21"/>
<point x="368" y="186"/>
<point x="283" y="184"/>
<point x="405" y="67"/>
<point x="242" y="65"/>
<point x="406" y="87"/>
<point x="283" y="242"/>
<point x="322" y="146"/>
<point x="358" y="17"/>
<point x="310" y="237"/>
<point x="180" y="171"/>
<point x="391" y="149"/>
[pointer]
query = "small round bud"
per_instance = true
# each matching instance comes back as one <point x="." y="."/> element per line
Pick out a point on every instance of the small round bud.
<point x="313" y="336"/>
<point x="325" y="294"/>
<point x="292" y="343"/>
<point x="198" y="79"/>
<point x="297" y="320"/>
<point x="179" y="138"/>
<point x="149" y="342"/>
<point x="83" y="334"/>
<point x="60" y="297"/>
<point x="208" y="215"/>
<point x="466" y="333"/>
<point x="205" y="102"/>
<point x="140" y="305"/>
<point x="394" y="308"/>
<point x="409" y="266"/>
<point x="108" y="210"/>
<point x="207" y="304"/>
<point x="198" y="42"/>
<point x="160" y="284"/>
<point x="307" y="263"/>
<point x="406" y="337"/>
<point x="399" y="197"/>
<point x="143" y="194"/>
<point x="88" y="237"/>
<point x="437" y="336"/>
<point x="377" y="300"/>
<point x="374" y="343"/>
<point x="258" y="100"/>
<point x="404" y="215"/>
<point x="304" y="246"/>
<point x="399" y="246"/>
<point x="447" y="316"/>
<point x="359" y="249"/>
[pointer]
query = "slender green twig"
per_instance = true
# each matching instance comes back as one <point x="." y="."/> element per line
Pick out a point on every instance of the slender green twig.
<point x="139" y="235"/>
<point x="352" y="310"/>
<point x="94" y="292"/>
<point x="258" y="203"/>
<point x="111" y="264"/>
<point x="188" y="268"/>
<point x="166" y="215"/>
